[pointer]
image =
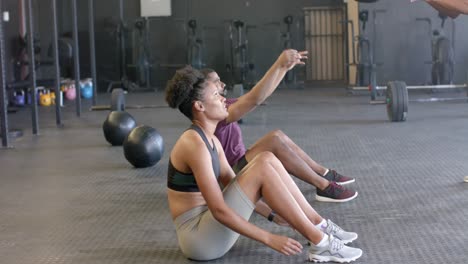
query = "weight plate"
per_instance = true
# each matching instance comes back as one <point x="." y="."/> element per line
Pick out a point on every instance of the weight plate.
<point x="390" y="102"/>
<point x="397" y="101"/>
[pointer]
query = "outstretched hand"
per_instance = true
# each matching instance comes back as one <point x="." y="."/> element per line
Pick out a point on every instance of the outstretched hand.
<point x="290" y="58"/>
<point x="284" y="245"/>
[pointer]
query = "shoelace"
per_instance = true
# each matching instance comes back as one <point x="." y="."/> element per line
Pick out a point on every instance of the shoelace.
<point x="335" y="188"/>
<point x="332" y="228"/>
<point x="336" y="176"/>
<point x="335" y="244"/>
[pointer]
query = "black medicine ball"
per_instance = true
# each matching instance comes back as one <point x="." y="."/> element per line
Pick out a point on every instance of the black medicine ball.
<point x="143" y="147"/>
<point x="117" y="126"/>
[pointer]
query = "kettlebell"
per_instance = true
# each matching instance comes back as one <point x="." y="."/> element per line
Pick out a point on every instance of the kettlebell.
<point x="29" y="97"/>
<point x="86" y="87"/>
<point x="44" y="98"/>
<point x="18" y="98"/>
<point x="70" y="92"/>
<point x="39" y="90"/>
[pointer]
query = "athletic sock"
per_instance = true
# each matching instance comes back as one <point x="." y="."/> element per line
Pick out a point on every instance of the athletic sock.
<point x="322" y="225"/>
<point x="326" y="171"/>
<point x="324" y="241"/>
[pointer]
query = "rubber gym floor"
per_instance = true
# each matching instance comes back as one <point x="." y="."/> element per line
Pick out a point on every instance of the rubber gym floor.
<point x="67" y="196"/>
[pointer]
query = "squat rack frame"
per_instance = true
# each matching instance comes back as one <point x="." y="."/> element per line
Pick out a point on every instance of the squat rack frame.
<point x="32" y="82"/>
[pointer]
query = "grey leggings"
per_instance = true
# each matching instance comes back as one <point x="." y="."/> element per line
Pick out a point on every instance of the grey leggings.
<point x="201" y="236"/>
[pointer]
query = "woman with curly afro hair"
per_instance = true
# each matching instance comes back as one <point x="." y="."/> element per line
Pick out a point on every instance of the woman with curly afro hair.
<point x="211" y="205"/>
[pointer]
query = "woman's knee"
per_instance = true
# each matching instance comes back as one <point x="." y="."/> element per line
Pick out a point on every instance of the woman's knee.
<point x="252" y="177"/>
<point x="276" y="134"/>
<point x="277" y="138"/>
<point x="264" y="158"/>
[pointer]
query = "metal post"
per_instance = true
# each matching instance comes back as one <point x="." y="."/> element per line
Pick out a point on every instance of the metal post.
<point x="76" y="59"/>
<point x="453" y="36"/>
<point x="123" y="59"/>
<point x="3" y="97"/>
<point x="92" y="49"/>
<point x="32" y="68"/>
<point x="146" y="51"/>
<point x="58" y="113"/>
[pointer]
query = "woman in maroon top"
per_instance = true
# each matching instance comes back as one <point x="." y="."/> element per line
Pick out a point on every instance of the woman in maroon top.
<point x="328" y="182"/>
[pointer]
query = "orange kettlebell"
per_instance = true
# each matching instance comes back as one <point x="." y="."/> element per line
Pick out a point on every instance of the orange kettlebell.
<point x="45" y="99"/>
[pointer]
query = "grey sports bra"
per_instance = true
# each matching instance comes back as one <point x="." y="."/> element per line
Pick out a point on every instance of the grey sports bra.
<point x="185" y="182"/>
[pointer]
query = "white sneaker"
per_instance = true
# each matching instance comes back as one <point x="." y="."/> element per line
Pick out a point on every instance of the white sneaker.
<point x="335" y="251"/>
<point x="338" y="232"/>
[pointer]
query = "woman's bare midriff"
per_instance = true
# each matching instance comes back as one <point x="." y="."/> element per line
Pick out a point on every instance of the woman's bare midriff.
<point x="181" y="202"/>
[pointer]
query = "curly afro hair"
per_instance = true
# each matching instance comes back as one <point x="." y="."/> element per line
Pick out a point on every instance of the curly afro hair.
<point x="184" y="88"/>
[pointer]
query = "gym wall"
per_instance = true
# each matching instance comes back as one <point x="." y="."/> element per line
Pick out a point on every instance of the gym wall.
<point x="402" y="44"/>
<point x="167" y="36"/>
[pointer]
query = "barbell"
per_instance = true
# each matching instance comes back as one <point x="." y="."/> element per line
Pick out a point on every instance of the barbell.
<point x="397" y="98"/>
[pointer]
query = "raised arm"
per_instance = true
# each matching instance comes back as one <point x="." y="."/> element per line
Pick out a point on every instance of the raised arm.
<point x="265" y="87"/>
<point x="451" y="8"/>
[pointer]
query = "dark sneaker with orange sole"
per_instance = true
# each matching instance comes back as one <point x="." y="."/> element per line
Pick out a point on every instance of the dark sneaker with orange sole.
<point x="334" y="176"/>
<point x="335" y="193"/>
